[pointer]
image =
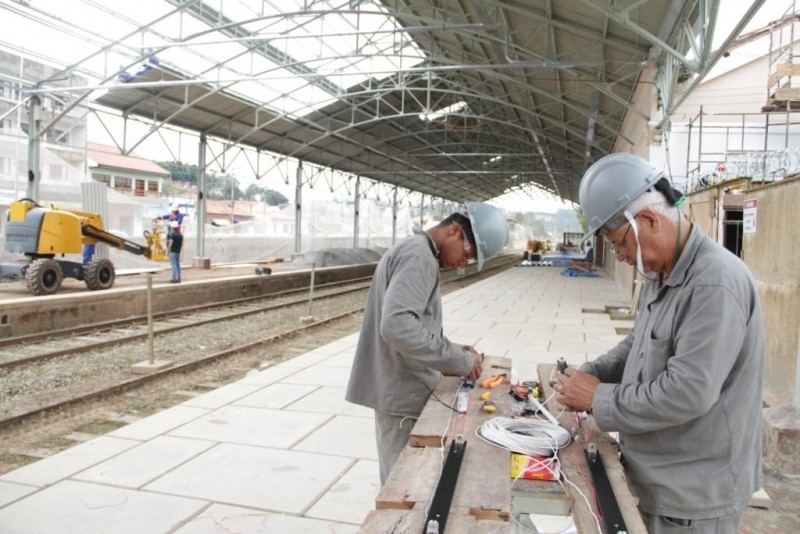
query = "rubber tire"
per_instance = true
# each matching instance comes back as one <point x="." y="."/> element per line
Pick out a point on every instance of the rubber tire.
<point x="43" y="276"/>
<point x="99" y="274"/>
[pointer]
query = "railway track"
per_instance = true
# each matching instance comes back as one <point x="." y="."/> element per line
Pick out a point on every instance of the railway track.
<point x="29" y="349"/>
<point x="333" y="302"/>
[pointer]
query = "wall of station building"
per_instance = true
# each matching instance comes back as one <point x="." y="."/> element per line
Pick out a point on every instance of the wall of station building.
<point x="769" y="252"/>
<point x="773" y="259"/>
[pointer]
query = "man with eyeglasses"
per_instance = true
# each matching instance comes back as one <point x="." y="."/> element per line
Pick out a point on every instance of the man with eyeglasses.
<point x="684" y="388"/>
<point x="402" y="351"/>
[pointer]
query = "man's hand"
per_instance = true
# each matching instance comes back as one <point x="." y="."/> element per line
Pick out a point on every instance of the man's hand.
<point x="575" y="389"/>
<point x="477" y="363"/>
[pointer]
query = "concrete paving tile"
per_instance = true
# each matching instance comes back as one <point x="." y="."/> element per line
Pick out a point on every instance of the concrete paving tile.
<point x="491" y="346"/>
<point x="339" y="345"/>
<point x="320" y="375"/>
<point x="220" y="518"/>
<point x="310" y="358"/>
<point x="513" y="315"/>
<point x="576" y="344"/>
<point x="66" y="463"/>
<point x="579" y="327"/>
<point x="10" y="492"/>
<point x="352" y="497"/>
<point x="343" y="359"/>
<point x="604" y="342"/>
<point x="328" y="399"/>
<point x="252" y="426"/>
<point x="536" y="328"/>
<point x="344" y="435"/>
<point x="504" y="329"/>
<point x="138" y="466"/>
<point x="530" y="356"/>
<point x="222" y="396"/>
<point x="159" y="423"/>
<point x="72" y="507"/>
<point x="269" y="375"/>
<point x="275" y="396"/>
<point x="257" y="477"/>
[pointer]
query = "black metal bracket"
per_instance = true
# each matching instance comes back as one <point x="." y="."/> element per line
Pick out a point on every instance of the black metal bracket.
<point x="606" y="500"/>
<point x="443" y="498"/>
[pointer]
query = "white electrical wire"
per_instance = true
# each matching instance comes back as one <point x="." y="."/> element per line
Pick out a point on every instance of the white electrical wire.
<point x="532" y="437"/>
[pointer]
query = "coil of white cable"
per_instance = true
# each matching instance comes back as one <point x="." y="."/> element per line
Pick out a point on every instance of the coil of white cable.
<point x="532" y="437"/>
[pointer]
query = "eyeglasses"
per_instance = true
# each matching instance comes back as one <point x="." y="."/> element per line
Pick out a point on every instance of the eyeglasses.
<point x="617" y="246"/>
<point x="467" y="247"/>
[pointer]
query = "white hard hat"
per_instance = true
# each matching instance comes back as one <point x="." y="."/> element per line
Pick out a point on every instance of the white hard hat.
<point x="490" y="228"/>
<point x="174" y="224"/>
<point x="610" y="185"/>
<point x="176" y="207"/>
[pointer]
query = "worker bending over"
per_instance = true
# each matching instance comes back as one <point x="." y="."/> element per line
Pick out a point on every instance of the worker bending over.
<point x="402" y="351"/>
<point x="683" y="389"/>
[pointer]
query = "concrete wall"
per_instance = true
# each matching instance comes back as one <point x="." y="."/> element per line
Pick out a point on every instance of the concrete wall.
<point x="773" y="259"/>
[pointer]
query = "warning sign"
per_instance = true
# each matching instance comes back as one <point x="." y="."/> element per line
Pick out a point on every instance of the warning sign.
<point x="749" y="216"/>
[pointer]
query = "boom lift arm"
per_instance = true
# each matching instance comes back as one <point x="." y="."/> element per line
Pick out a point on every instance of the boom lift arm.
<point x="42" y="234"/>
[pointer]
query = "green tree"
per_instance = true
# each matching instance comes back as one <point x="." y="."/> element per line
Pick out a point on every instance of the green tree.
<point x="268" y="196"/>
<point x="274" y="198"/>
<point x="183" y="172"/>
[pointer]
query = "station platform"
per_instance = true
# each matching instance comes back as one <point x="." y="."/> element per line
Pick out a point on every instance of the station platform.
<point x="281" y="450"/>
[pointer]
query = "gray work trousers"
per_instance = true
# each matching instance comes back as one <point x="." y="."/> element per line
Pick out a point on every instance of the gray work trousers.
<point x="391" y="433"/>
<point x="727" y="524"/>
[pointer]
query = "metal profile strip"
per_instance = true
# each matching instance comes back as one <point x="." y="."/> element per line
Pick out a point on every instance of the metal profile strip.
<point x="440" y="506"/>
<point x="606" y="500"/>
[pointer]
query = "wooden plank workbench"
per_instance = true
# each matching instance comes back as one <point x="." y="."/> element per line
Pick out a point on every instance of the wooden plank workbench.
<point x="482" y="502"/>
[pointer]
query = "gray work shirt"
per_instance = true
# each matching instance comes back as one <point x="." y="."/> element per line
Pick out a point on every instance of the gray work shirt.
<point x="402" y="352"/>
<point x="683" y="389"/>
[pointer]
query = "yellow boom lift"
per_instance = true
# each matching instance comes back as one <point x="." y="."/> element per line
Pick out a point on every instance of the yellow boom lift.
<point x="42" y="234"/>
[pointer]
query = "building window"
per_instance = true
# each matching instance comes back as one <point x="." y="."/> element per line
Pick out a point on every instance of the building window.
<point x="123" y="183"/>
<point x="152" y="186"/>
<point x="102" y="178"/>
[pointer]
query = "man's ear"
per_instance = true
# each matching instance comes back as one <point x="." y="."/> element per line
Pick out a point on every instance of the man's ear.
<point x="454" y="229"/>
<point x="650" y="218"/>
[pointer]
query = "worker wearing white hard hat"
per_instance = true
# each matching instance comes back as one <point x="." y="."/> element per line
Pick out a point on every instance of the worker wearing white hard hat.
<point x="684" y="388"/>
<point x="174" y="214"/>
<point x="402" y="351"/>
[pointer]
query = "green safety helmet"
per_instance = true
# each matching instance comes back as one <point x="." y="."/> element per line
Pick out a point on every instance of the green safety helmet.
<point x="490" y="228"/>
<point x="610" y="185"/>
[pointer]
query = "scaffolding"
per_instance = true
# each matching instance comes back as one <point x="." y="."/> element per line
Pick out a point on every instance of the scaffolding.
<point x="762" y="147"/>
<point x="783" y="83"/>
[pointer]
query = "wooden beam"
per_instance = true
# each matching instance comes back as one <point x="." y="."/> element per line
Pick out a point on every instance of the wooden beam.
<point x="574" y="467"/>
<point x="788" y="69"/>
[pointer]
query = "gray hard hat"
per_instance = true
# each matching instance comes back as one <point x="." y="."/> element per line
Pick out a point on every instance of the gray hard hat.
<point x="610" y="185"/>
<point x="490" y="228"/>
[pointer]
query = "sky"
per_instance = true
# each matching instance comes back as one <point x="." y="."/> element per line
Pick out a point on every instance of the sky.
<point x="184" y="147"/>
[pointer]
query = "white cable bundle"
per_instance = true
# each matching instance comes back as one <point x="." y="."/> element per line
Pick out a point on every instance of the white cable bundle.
<point x="532" y="437"/>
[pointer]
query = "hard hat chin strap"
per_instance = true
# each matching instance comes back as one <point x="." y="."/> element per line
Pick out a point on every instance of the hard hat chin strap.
<point x="635" y="227"/>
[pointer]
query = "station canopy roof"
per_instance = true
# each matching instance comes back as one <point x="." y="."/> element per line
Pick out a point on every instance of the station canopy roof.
<point x="463" y="100"/>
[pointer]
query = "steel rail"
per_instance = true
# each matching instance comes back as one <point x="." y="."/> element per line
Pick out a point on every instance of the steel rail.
<point x="135" y="382"/>
<point x="163" y="329"/>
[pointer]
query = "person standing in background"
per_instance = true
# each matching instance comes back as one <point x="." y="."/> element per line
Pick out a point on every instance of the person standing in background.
<point x="174" y="215"/>
<point x="174" y="246"/>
